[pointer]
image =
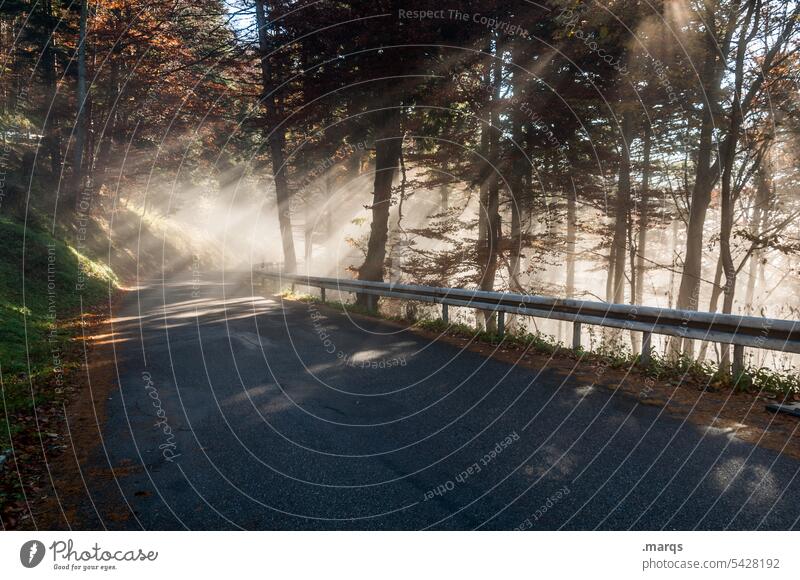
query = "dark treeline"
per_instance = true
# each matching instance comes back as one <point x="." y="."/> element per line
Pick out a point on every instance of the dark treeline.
<point x="535" y="136"/>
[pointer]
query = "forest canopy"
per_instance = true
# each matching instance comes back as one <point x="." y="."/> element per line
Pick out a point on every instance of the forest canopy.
<point x="631" y="152"/>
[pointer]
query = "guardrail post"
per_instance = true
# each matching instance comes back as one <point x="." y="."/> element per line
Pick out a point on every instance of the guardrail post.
<point x="576" y="335"/>
<point x="738" y="359"/>
<point x="501" y="324"/>
<point x="371" y="302"/>
<point x="445" y="314"/>
<point x="647" y="339"/>
<point x="322" y="294"/>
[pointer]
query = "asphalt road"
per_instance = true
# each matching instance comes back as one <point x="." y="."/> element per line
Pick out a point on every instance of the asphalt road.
<point x="240" y="411"/>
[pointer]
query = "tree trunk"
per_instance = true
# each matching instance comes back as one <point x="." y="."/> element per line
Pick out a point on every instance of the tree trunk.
<point x="516" y="250"/>
<point x="388" y="146"/>
<point x="108" y="137"/>
<point x="716" y="291"/>
<point x="493" y="233"/>
<point x="705" y="178"/>
<point x="641" y="244"/>
<point x="52" y="132"/>
<point x="727" y="194"/>
<point x="726" y="256"/>
<point x="485" y="169"/>
<point x="517" y="171"/>
<point x="674" y="265"/>
<point x="612" y="260"/>
<point x="444" y="197"/>
<point x="80" y="117"/>
<point x="756" y="225"/>
<point x="622" y="208"/>
<point x="308" y="231"/>
<point x="277" y="144"/>
<point x="572" y="219"/>
<point x="493" y="236"/>
<point x="483" y="208"/>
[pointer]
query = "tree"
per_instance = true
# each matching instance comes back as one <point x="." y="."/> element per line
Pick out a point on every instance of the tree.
<point x="276" y="139"/>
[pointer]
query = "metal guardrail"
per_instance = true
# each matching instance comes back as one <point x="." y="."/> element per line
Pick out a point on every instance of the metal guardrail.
<point x="740" y="331"/>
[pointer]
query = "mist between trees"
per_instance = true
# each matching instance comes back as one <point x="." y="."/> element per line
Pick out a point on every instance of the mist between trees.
<point x="629" y="152"/>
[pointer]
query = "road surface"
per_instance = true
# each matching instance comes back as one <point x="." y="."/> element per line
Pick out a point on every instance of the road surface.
<point x="237" y="410"/>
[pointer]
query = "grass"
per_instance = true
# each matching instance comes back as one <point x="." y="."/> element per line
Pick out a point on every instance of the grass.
<point x="611" y="353"/>
<point x="43" y="282"/>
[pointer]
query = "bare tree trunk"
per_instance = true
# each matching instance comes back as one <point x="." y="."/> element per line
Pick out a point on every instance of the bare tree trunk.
<point x="632" y="259"/>
<point x="516" y="249"/>
<point x="483" y="208"/>
<point x="109" y="136"/>
<point x="489" y="201"/>
<point x="757" y="222"/>
<point x="517" y="171"/>
<point x="80" y="117"/>
<point x="486" y="169"/>
<point x="674" y="264"/>
<point x="388" y="146"/>
<point x="638" y="256"/>
<point x="328" y="227"/>
<point x="283" y="197"/>
<point x="572" y="211"/>
<point x="493" y="237"/>
<point x="751" y="283"/>
<point x="52" y="132"/>
<point x="308" y="230"/>
<point x="727" y="193"/>
<point x="716" y="292"/>
<point x="612" y="260"/>
<point x="706" y="177"/>
<point x="728" y="267"/>
<point x="493" y="234"/>
<point x="277" y="143"/>
<point x="444" y="197"/>
<point x="641" y="244"/>
<point x="622" y="208"/>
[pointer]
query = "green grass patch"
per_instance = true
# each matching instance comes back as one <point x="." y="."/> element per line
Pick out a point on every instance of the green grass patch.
<point x="43" y="282"/>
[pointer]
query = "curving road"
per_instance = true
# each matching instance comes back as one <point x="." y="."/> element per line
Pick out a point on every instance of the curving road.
<point x="240" y="411"/>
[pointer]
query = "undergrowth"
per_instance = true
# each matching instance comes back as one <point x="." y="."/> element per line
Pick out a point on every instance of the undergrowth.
<point x="44" y="282"/>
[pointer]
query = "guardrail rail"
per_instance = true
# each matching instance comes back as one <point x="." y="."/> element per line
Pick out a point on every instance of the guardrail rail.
<point x="739" y="331"/>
